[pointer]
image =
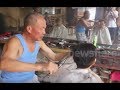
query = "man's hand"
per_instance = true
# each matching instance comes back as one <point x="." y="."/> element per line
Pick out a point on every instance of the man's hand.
<point x="52" y="67"/>
<point x="49" y="67"/>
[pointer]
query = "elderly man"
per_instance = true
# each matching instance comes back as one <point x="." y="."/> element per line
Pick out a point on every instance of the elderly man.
<point x="19" y="56"/>
<point x="81" y="27"/>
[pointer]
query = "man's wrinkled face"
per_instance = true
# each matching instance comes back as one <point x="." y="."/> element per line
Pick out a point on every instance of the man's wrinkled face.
<point x="38" y="30"/>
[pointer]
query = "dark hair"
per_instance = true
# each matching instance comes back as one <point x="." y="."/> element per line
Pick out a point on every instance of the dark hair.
<point x="86" y="12"/>
<point x="84" y="55"/>
<point x="101" y="20"/>
<point x="35" y="8"/>
<point x="58" y="20"/>
<point x="46" y="13"/>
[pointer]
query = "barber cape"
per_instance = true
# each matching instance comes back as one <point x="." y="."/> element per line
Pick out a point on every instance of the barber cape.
<point x="59" y="32"/>
<point x="69" y="74"/>
<point x="103" y="35"/>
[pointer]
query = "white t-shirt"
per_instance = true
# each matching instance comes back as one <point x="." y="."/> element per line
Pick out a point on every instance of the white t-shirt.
<point x="79" y="76"/>
<point x="103" y="36"/>
<point x="111" y="20"/>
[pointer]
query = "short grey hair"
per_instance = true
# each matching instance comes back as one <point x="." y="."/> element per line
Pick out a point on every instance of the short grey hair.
<point x="32" y="18"/>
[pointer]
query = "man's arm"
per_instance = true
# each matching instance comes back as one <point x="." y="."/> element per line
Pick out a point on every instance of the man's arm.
<point x="10" y="63"/>
<point x="9" y="57"/>
<point x="106" y="15"/>
<point x="114" y="14"/>
<point x="86" y="23"/>
<point x="50" y="54"/>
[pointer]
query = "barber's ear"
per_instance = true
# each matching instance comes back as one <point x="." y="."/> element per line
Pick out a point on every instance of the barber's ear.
<point x="94" y="61"/>
<point x="29" y="29"/>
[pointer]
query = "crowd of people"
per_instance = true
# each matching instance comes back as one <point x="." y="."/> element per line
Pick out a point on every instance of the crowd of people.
<point x="85" y="29"/>
<point x="106" y="29"/>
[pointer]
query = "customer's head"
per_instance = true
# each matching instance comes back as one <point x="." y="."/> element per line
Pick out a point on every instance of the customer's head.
<point x="102" y="23"/>
<point x="34" y="26"/>
<point x="58" y="21"/>
<point x="46" y="14"/>
<point x="84" y="55"/>
<point x="86" y="14"/>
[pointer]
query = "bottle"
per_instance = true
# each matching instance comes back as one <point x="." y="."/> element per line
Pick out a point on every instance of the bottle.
<point x="95" y="40"/>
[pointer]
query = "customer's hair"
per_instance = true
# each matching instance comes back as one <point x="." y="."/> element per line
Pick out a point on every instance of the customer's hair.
<point x="86" y="12"/>
<point x="84" y="55"/>
<point x="58" y="20"/>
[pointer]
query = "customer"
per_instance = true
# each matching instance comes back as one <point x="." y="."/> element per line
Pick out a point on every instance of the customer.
<point x="77" y="68"/>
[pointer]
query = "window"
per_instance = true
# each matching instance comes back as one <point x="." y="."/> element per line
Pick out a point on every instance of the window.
<point x="92" y="11"/>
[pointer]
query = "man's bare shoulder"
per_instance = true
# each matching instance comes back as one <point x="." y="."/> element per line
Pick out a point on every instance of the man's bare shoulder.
<point x="13" y="45"/>
<point x="13" y="41"/>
